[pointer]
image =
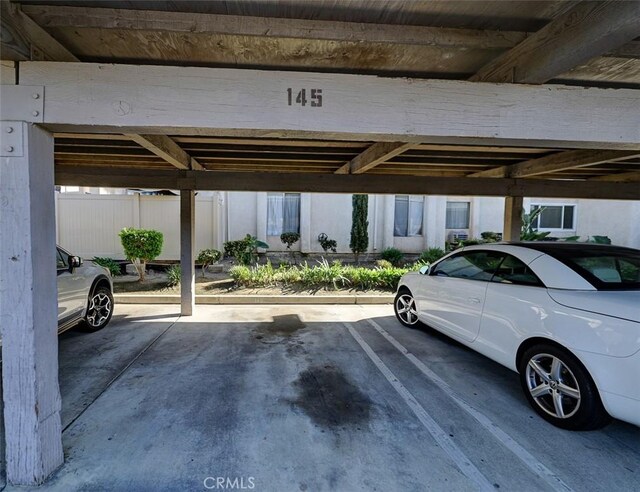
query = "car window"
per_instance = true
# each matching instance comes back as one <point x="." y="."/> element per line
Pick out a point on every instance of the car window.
<point x="473" y="265"/>
<point x="61" y="259"/>
<point x="610" y="271"/>
<point x="514" y="271"/>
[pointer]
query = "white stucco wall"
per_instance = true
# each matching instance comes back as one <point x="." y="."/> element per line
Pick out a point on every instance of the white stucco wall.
<point x="331" y="214"/>
<point x="242" y="216"/>
<point x="88" y="225"/>
<point x="617" y="219"/>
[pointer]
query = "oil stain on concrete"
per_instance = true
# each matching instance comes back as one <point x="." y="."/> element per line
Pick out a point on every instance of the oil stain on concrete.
<point x="330" y="399"/>
<point x="282" y="328"/>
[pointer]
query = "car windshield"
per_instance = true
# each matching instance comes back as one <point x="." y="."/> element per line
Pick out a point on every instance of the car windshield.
<point x="607" y="270"/>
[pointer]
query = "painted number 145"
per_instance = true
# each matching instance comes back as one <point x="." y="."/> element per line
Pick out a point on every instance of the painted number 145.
<point x="315" y="99"/>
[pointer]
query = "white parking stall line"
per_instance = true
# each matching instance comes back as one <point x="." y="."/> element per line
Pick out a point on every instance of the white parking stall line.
<point x="527" y="458"/>
<point x="440" y="436"/>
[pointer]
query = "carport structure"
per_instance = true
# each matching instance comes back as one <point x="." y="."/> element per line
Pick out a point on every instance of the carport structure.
<point x="505" y="99"/>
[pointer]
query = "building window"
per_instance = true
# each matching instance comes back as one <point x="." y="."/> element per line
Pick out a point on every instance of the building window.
<point x="458" y="215"/>
<point x="554" y="217"/>
<point x="408" y="216"/>
<point x="283" y="213"/>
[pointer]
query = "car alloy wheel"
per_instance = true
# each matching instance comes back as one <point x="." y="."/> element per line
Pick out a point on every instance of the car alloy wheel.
<point x="560" y="389"/>
<point x="553" y="386"/>
<point x="406" y="309"/>
<point x="99" y="311"/>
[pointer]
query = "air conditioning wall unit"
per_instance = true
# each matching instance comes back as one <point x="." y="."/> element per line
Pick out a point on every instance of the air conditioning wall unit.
<point x="457" y="236"/>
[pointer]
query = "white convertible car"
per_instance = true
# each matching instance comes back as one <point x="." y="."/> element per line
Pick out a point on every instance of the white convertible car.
<point x="565" y="316"/>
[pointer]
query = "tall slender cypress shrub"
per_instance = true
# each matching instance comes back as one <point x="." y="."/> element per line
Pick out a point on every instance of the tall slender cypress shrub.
<point x="359" y="225"/>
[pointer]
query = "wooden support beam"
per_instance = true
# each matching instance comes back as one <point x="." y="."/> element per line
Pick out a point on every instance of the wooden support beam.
<point x="512" y="218"/>
<point x="214" y="101"/>
<point x="23" y="39"/>
<point x="164" y="147"/>
<point x="376" y="154"/>
<point x="586" y="31"/>
<point x="187" y="245"/>
<point x="339" y="183"/>
<point x="28" y="305"/>
<point x="560" y="161"/>
<point x="632" y="176"/>
<point x="268" y="27"/>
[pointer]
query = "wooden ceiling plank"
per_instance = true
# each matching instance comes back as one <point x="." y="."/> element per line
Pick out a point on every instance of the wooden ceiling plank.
<point x="477" y="148"/>
<point x="23" y="39"/>
<point x="556" y="162"/>
<point x="632" y="176"/>
<point x="90" y="136"/>
<point x="374" y="155"/>
<point x="275" y="142"/>
<point x="164" y="147"/>
<point x="269" y="27"/>
<point x="587" y="30"/>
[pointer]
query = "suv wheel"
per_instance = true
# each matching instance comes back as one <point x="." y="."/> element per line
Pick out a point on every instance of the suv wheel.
<point x="100" y="309"/>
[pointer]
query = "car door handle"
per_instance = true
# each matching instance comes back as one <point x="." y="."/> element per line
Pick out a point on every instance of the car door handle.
<point x="474" y="300"/>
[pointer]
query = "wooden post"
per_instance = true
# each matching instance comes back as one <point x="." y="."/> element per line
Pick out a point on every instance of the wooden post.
<point x="187" y="243"/>
<point x="28" y="305"/>
<point x="512" y="218"/>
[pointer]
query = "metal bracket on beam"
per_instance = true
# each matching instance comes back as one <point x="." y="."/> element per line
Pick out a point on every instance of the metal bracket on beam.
<point x="11" y="139"/>
<point x="22" y="103"/>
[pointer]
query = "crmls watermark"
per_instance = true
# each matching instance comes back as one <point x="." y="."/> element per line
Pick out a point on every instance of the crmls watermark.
<point x="229" y="483"/>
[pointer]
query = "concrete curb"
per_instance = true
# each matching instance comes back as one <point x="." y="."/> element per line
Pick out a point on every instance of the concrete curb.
<point x="257" y="299"/>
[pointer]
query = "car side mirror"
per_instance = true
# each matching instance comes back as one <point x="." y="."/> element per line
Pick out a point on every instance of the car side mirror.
<point x="424" y="270"/>
<point x="74" y="262"/>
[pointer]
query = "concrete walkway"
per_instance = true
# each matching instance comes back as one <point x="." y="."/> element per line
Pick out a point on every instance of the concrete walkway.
<point x="284" y="398"/>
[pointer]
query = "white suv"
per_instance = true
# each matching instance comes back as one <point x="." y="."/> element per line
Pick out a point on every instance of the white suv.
<point x="84" y="293"/>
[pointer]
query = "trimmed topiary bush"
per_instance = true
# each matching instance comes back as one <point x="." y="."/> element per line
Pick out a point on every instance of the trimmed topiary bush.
<point x="289" y="239"/>
<point x="141" y="246"/>
<point x="326" y="243"/>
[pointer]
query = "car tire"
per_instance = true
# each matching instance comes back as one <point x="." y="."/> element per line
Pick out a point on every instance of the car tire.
<point x="560" y="389"/>
<point x="404" y="305"/>
<point x="99" y="309"/>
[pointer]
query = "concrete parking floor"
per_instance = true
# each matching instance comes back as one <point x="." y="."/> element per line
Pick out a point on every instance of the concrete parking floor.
<point x="285" y="398"/>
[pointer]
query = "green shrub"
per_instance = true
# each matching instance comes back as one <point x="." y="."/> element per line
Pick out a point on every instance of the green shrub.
<point x="527" y="231"/>
<point x="393" y="256"/>
<point x="324" y="274"/>
<point x="383" y="264"/>
<point x="491" y="237"/>
<point x="470" y="242"/>
<point x="600" y="239"/>
<point x="326" y="243"/>
<point x="110" y="264"/>
<point x="141" y="246"/>
<point x="244" y="251"/>
<point x="431" y="255"/>
<point x="208" y="257"/>
<point x="173" y="275"/>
